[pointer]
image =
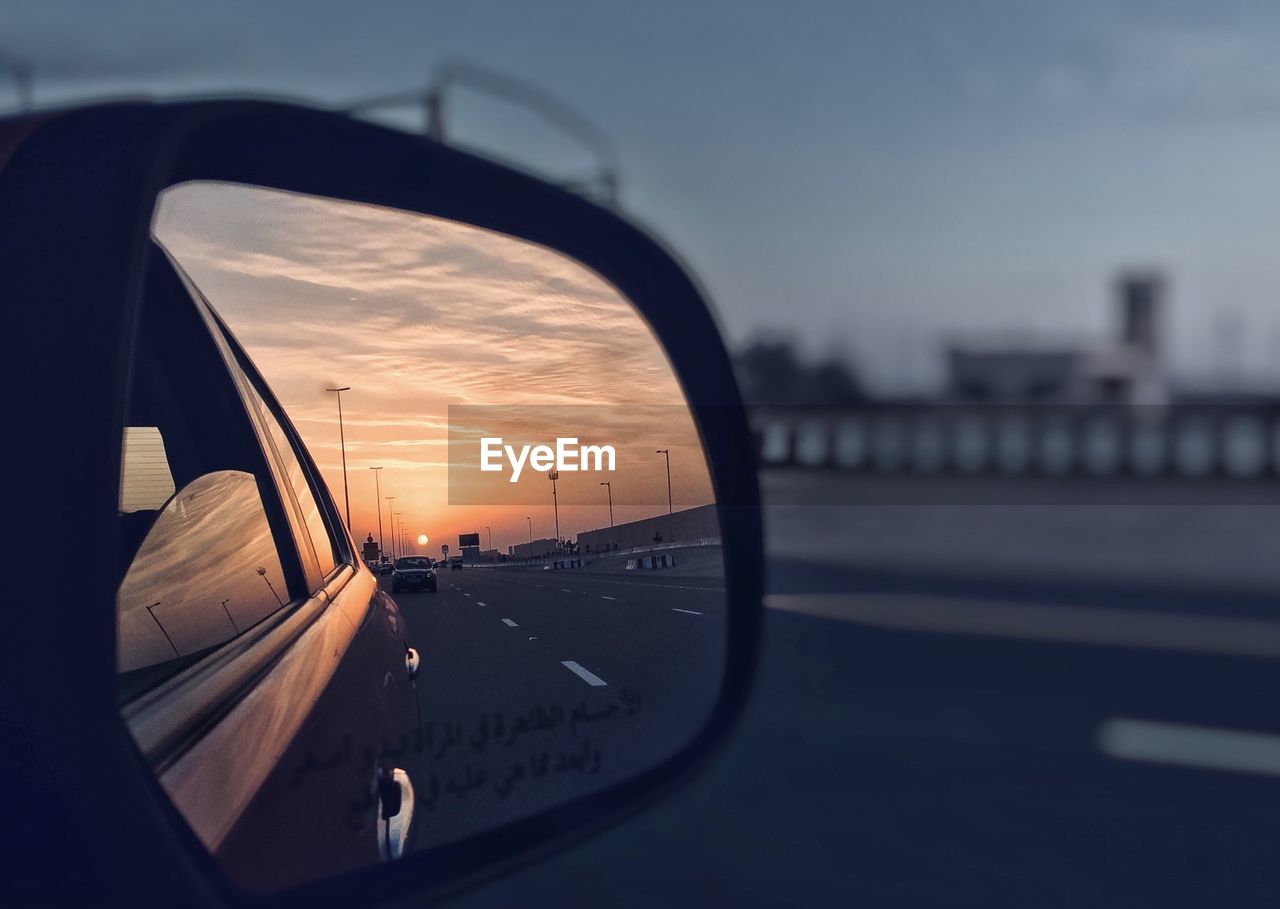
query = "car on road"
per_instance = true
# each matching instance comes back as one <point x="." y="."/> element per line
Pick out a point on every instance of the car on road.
<point x="455" y="564"/>
<point x="413" y="573"/>
<point x="387" y="568"/>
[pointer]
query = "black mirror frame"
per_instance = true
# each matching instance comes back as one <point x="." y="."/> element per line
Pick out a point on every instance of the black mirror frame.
<point x="122" y="156"/>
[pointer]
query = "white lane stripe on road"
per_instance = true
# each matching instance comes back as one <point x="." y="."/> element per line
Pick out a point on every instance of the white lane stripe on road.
<point x="608" y="598"/>
<point x="1184" y="745"/>
<point x="589" y="677"/>
<point x="1155" y="630"/>
<point x="690" y="611"/>
<point x="481" y="603"/>
<point x="565" y="590"/>
<point x="510" y="623"/>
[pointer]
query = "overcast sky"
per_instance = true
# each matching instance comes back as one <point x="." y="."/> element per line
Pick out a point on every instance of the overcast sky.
<point x="868" y="176"/>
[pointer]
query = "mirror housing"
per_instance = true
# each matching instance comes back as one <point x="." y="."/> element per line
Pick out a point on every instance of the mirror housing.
<point x="78" y="188"/>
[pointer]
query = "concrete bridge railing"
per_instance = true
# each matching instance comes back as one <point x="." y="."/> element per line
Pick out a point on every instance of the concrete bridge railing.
<point x="1180" y="442"/>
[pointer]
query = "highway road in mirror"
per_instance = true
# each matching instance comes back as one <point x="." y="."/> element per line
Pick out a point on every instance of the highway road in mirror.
<point x="538" y="685"/>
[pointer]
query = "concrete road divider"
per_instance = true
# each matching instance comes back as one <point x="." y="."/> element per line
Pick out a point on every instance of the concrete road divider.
<point x="664" y="560"/>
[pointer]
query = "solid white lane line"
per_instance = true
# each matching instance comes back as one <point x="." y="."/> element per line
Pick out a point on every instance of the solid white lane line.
<point x="690" y="611"/>
<point x="1071" y="624"/>
<point x="1185" y="745"/>
<point x="589" y="677"/>
<point x="608" y="598"/>
<point x="510" y="623"/>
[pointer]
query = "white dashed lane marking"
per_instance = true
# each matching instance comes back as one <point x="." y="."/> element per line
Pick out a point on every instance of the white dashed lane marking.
<point x="510" y="623"/>
<point x="608" y="598"/>
<point x="481" y="603"/>
<point x="587" y="676"/>
<point x="690" y="611"/>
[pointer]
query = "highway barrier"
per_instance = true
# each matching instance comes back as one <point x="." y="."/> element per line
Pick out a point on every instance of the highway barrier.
<point x="658" y="560"/>
<point x="1179" y="441"/>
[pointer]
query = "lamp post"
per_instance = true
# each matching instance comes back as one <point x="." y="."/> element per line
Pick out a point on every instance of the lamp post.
<point x="555" y="503"/>
<point x="234" y="626"/>
<point x="262" y="573"/>
<point x="377" y="485"/>
<point x="151" y="612"/>
<point x="667" y="453"/>
<point x="490" y="529"/>
<point x="391" y="521"/>
<point x="610" y="486"/>
<point x="400" y="534"/>
<point x="342" y="438"/>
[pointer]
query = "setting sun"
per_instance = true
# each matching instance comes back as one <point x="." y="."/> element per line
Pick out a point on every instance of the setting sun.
<point x="422" y="539"/>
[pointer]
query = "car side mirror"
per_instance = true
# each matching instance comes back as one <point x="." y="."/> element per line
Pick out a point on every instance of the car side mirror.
<point x="537" y="384"/>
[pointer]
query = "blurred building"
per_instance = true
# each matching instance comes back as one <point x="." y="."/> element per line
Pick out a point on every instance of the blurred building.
<point x="1123" y="370"/>
<point x="771" y="372"/>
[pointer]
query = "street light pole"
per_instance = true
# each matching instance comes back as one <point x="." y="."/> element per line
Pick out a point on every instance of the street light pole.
<point x="490" y="529"/>
<point x="377" y="481"/>
<point x="667" y="453"/>
<point x="392" y="500"/>
<point x="400" y="534"/>
<point x="529" y="518"/>
<point x="346" y="495"/>
<point x="151" y="612"/>
<point x="555" y="504"/>
<point x="610" y="486"/>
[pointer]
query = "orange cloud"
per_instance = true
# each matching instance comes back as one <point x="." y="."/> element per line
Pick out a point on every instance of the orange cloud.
<point x="416" y="313"/>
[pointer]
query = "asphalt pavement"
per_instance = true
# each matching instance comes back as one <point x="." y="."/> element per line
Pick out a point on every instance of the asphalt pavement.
<point x="537" y="686"/>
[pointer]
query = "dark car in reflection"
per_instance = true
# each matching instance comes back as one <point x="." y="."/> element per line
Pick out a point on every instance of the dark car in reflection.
<point x="413" y="573"/>
<point x="260" y="669"/>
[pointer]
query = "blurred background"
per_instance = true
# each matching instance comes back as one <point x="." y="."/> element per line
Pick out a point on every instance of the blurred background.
<point x="1000" y="283"/>
<point x="860" y="180"/>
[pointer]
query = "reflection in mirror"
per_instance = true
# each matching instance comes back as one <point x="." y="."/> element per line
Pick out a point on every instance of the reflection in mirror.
<point x="206" y="571"/>
<point x="531" y="502"/>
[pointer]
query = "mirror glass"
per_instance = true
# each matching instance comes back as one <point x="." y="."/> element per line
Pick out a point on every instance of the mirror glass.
<point x="530" y="604"/>
<point x="212" y="537"/>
